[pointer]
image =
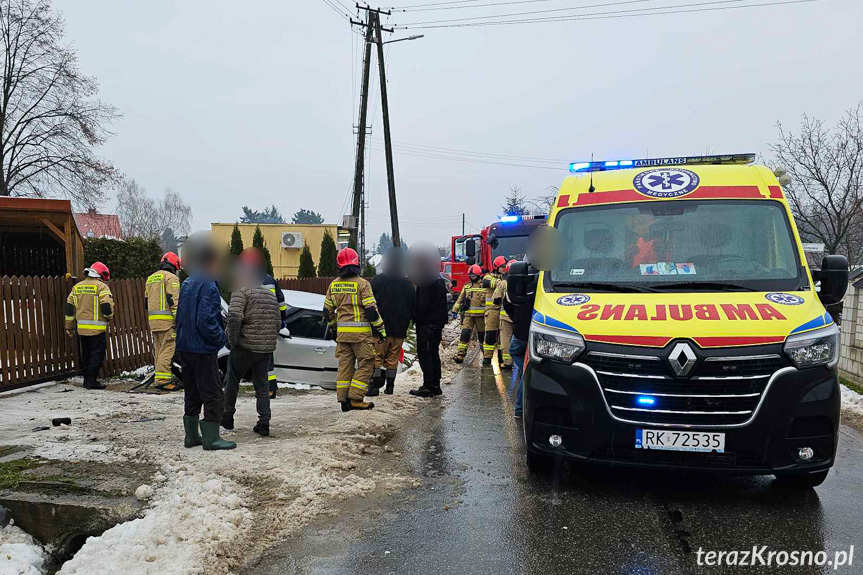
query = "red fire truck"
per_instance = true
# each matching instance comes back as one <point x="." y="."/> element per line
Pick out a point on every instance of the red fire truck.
<point x="506" y="237"/>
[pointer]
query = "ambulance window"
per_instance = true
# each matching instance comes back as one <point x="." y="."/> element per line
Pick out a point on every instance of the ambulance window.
<point x="747" y="243"/>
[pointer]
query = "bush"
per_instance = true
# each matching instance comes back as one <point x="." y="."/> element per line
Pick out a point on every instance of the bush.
<point x="307" y="264"/>
<point x="132" y="258"/>
<point x="369" y="270"/>
<point x="258" y="242"/>
<point x="327" y="266"/>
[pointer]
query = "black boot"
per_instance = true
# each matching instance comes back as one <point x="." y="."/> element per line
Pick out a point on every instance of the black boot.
<point x="262" y="429"/>
<point x="391" y="385"/>
<point x="486" y="361"/>
<point x="373" y="390"/>
<point x="421" y="392"/>
<point x="94" y="385"/>
<point x="436" y="390"/>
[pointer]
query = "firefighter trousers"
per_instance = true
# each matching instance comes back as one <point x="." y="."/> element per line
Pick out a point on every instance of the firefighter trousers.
<point x="505" y="338"/>
<point x="387" y="356"/>
<point x="492" y="323"/>
<point x="468" y="324"/>
<point x="164" y="345"/>
<point x="356" y="365"/>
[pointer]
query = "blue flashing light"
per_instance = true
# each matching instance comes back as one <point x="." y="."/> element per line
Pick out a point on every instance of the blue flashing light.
<point x="646" y="400"/>
<point x="659" y="162"/>
<point x="509" y="219"/>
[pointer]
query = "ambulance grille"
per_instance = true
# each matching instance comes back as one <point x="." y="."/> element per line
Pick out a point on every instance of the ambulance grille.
<point x="720" y="391"/>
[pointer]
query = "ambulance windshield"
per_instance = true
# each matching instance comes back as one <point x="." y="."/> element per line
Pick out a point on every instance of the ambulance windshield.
<point x="692" y="245"/>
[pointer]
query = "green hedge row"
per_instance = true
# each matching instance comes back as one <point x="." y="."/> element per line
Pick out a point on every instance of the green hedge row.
<point x="127" y="259"/>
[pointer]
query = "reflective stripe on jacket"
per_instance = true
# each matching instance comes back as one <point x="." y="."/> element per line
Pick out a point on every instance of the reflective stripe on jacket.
<point x="163" y="295"/>
<point x="346" y="301"/>
<point x="471" y="299"/>
<point x="84" y="307"/>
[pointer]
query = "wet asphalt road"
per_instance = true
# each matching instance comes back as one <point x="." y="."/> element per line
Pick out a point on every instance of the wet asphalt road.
<point x="480" y="511"/>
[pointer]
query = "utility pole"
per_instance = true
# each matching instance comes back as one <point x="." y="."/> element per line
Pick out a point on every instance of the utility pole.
<point x="361" y="134"/>
<point x="388" y="147"/>
<point x="462" y="223"/>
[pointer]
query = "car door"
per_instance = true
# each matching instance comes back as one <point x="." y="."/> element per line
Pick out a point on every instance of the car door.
<point x="307" y="356"/>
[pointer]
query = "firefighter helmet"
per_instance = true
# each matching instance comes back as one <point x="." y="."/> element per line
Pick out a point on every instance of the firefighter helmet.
<point x="498" y="262"/>
<point x="474" y="270"/>
<point x="98" y="270"/>
<point x="347" y="257"/>
<point x="509" y="263"/>
<point x="172" y="259"/>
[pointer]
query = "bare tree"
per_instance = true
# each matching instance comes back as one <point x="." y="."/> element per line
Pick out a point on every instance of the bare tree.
<point x="826" y="188"/>
<point x="50" y="118"/>
<point x="543" y="203"/>
<point x="146" y="217"/>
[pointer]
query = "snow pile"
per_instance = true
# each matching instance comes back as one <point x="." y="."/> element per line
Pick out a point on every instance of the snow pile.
<point x="139" y="373"/>
<point x="193" y="526"/>
<point x="852" y="401"/>
<point x="19" y="553"/>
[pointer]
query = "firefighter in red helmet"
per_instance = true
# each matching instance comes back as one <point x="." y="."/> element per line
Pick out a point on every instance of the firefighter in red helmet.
<point x="492" y="308"/>
<point x="353" y="319"/>
<point x="89" y="308"/>
<point x="470" y="305"/>
<point x="162" y="292"/>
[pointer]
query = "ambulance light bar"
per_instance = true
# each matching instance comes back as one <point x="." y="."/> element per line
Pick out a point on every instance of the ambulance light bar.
<point x="515" y="218"/>
<point x="576" y="167"/>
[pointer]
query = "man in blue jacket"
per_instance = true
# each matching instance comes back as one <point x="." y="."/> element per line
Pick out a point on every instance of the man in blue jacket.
<point x="200" y="336"/>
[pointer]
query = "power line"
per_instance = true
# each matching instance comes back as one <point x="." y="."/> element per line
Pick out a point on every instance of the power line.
<point x="335" y="9"/>
<point x="481" y="155"/>
<point x="658" y="11"/>
<point x="468" y="160"/>
<point x="512" y="2"/>
<point x="434" y="4"/>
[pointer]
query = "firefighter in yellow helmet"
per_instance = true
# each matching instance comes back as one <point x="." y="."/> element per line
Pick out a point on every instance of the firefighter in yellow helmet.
<point x="492" y="308"/>
<point x="89" y="308"/>
<point x="505" y="320"/>
<point x="470" y="305"/>
<point x="162" y="292"/>
<point x="352" y="314"/>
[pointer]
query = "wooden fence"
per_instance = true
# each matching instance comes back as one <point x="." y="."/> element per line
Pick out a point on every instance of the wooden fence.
<point x="33" y="343"/>
<point x="313" y="285"/>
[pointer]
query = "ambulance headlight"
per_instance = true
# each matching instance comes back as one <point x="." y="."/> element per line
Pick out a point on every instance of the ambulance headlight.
<point x="554" y="345"/>
<point x="820" y="347"/>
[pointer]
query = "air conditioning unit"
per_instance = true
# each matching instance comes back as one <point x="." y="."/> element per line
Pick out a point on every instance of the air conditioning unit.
<point x="292" y="240"/>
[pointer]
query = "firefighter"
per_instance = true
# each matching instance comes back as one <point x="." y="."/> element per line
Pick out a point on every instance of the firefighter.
<point x="471" y="306"/>
<point x="89" y="308"/>
<point x="492" y="308"/>
<point x="162" y="293"/>
<point x="352" y="314"/>
<point x="271" y="284"/>
<point x="505" y="320"/>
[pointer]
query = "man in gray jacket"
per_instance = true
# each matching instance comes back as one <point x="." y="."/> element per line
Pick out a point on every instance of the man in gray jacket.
<point x="252" y="328"/>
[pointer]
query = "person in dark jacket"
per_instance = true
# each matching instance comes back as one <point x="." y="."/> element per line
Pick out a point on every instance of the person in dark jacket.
<point x="200" y="336"/>
<point x="521" y="316"/>
<point x="394" y="294"/>
<point x="252" y="327"/>
<point x="271" y="284"/>
<point x="430" y="315"/>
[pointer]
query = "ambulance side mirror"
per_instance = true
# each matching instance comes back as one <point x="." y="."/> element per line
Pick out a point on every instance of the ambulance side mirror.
<point x="833" y="276"/>
<point x="520" y="283"/>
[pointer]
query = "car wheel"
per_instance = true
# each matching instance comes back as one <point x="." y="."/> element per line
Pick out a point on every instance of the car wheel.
<point x="801" y="480"/>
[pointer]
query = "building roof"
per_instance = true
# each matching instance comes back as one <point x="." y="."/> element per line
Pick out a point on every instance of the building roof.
<point x="101" y="225"/>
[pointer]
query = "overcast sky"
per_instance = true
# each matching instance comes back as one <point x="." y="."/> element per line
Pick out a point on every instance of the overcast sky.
<point x="253" y="103"/>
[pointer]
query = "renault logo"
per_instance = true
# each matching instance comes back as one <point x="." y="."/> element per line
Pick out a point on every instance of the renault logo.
<point x="682" y="359"/>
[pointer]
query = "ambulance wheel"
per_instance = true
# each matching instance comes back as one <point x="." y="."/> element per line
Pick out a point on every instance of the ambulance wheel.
<point x="537" y="462"/>
<point x="801" y="480"/>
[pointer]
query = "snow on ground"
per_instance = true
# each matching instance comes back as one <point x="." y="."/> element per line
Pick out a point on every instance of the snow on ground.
<point x="212" y="511"/>
<point x="19" y="553"/>
<point x="852" y="403"/>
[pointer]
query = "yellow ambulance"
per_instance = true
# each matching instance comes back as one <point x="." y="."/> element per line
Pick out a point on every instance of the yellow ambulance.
<point x="679" y="325"/>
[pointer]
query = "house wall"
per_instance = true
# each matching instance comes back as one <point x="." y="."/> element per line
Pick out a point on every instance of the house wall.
<point x="851" y="354"/>
<point x="286" y="262"/>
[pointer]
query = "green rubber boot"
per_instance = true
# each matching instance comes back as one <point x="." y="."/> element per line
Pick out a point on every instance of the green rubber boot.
<point x="190" y="424"/>
<point x="212" y="440"/>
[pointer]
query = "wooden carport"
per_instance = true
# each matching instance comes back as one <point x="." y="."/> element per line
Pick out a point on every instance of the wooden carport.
<point x="39" y="238"/>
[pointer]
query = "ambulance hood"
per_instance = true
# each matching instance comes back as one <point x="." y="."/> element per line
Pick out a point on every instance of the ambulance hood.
<point x="709" y="319"/>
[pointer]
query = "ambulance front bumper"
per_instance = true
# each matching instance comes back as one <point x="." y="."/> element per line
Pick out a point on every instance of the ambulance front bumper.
<point x="796" y="409"/>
